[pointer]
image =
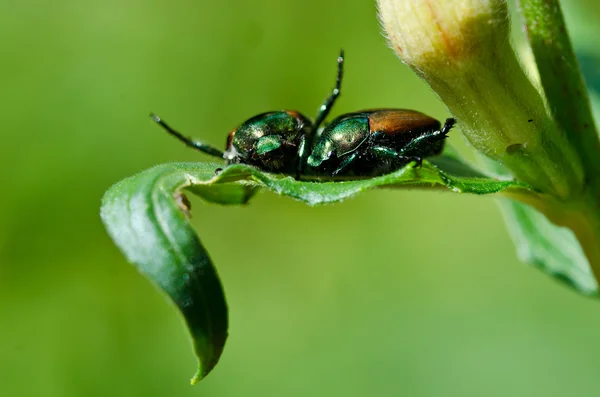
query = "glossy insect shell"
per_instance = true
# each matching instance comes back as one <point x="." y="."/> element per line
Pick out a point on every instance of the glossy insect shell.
<point x="392" y="128"/>
<point x="269" y="140"/>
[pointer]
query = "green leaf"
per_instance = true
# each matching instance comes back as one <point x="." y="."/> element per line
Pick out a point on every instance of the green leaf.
<point x="147" y="215"/>
<point x="152" y="229"/>
<point x="553" y="249"/>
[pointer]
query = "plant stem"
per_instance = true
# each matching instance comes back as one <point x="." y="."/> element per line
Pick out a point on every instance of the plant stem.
<point x="561" y="80"/>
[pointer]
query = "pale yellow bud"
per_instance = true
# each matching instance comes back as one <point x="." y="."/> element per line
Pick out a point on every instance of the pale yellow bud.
<point x="462" y="49"/>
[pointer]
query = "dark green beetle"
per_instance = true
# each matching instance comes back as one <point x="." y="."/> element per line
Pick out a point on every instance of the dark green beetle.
<point x="274" y="141"/>
<point x="360" y="144"/>
<point x="375" y="142"/>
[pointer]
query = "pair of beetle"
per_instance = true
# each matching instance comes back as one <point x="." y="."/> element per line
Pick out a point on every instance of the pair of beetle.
<point x="359" y="144"/>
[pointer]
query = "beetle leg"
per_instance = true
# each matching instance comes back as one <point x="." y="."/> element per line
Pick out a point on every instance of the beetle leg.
<point x="382" y="151"/>
<point x="427" y="140"/>
<point x="204" y="148"/>
<point x="328" y="104"/>
<point x="301" y="157"/>
<point x="417" y="159"/>
<point x="345" y="163"/>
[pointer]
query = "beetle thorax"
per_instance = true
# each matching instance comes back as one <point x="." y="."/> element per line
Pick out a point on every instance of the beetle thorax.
<point x="347" y="135"/>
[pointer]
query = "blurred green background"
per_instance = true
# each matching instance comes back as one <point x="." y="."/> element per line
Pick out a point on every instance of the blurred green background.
<point x="390" y="293"/>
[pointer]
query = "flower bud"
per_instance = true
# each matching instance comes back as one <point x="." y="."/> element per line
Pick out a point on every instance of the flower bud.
<point x="461" y="49"/>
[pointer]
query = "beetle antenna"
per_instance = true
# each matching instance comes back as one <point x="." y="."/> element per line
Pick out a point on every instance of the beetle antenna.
<point x="328" y="104"/>
<point x="204" y="148"/>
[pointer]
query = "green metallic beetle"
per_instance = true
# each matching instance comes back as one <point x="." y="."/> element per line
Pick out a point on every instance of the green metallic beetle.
<point x="375" y="142"/>
<point x="359" y="144"/>
<point x="275" y="141"/>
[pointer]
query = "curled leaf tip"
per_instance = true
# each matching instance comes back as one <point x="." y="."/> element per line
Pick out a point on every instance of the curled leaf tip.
<point x="198" y="376"/>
